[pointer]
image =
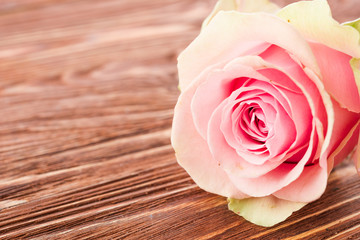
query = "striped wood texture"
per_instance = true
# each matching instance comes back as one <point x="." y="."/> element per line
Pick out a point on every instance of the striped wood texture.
<point x="87" y="92"/>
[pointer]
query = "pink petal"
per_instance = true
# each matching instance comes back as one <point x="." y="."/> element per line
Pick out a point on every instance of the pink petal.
<point x="347" y="146"/>
<point x="288" y="64"/>
<point x="193" y="154"/>
<point x="231" y="127"/>
<point x="227" y="156"/>
<point x="344" y="123"/>
<point x="282" y="60"/>
<point x="215" y="87"/>
<point x="300" y="112"/>
<point x="275" y="180"/>
<point x="312" y="182"/>
<point x="284" y="133"/>
<point x="237" y="136"/>
<point x="219" y="84"/>
<point x="309" y="186"/>
<point x="337" y="76"/>
<point x="329" y="115"/>
<point x="244" y="31"/>
<point x="313" y="94"/>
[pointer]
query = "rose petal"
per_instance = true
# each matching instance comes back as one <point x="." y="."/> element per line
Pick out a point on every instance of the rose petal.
<point x="344" y="123"/>
<point x="227" y="156"/>
<point x="231" y="117"/>
<point x="309" y="186"/>
<point x="250" y="6"/>
<point x="221" y="5"/>
<point x="356" y="156"/>
<point x="242" y="6"/>
<point x="327" y="103"/>
<point x="314" y="21"/>
<point x="284" y="133"/>
<point x="193" y="153"/>
<point x="219" y="84"/>
<point x="346" y="146"/>
<point x="275" y="180"/>
<point x="355" y="62"/>
<point x="337" y="76"/>
<point x="238" y="138"/>
<point x="250" y="33"/>
<point x="355" y="65"/>
<point x="300" y="100"/>
<point x="264" y="211"/>
<point x="288" y="64"/>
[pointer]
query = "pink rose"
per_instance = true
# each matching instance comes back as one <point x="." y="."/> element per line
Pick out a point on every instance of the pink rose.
<point x="269" y="104"/>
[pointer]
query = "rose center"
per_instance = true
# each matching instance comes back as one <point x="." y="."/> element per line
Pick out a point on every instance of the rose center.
<point x="253" y="122"/>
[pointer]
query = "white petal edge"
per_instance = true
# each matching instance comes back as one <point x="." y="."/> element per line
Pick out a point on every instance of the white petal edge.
<point x="314" y="21"/>
<point x="355" y="65"/>
<point x="247" y="6"/>
<point x="355" y="62"/>
<point x="341" y="146"/>
<point x="356" y="157"/>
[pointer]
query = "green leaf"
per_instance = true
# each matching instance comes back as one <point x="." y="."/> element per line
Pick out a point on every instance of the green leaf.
<point x="264" y="211"/>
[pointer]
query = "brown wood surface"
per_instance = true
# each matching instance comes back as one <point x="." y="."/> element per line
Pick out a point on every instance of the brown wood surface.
<point x="87" y="90"/>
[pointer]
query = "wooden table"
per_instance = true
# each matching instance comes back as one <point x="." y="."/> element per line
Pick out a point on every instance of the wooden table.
<point x="87" y="90"/>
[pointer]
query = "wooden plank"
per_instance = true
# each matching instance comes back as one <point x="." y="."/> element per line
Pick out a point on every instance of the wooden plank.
<point x="87" y="93"/>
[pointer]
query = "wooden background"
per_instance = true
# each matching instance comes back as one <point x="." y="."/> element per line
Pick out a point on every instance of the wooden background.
<point x="87" y="90"/>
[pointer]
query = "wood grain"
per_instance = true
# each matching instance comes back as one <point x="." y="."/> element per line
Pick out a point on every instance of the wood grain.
<point x="87" y="93"/>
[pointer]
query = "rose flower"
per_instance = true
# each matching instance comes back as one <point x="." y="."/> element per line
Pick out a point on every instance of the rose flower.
<point x="269" y="104"/>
